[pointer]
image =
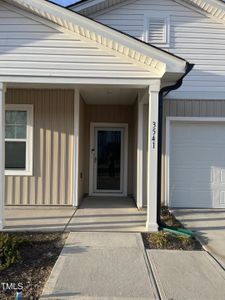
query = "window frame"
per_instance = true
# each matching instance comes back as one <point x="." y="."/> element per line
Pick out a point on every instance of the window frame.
<point x="28" y="171"/>
<point x="147" y="18"/>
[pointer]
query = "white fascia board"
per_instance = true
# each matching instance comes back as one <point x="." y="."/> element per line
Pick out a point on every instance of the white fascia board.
<point x="163" y="62"/>
<point x="84" y="5"/>
<point x="73" y="81"/>
<point x="214" y="9"/>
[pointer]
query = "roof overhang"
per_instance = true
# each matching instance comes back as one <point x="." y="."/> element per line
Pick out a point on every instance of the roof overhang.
<point x="144" y="55"/>
<point x="213" y="8"/>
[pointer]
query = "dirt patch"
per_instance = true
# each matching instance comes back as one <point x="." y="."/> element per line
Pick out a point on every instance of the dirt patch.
<point x="39" y="252"/>
<point x="168" y="240"/>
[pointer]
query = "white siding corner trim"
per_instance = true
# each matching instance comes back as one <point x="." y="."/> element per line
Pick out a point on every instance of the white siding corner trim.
<point x="178" y="120"/>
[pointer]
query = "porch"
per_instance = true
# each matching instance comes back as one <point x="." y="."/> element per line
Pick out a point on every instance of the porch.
<point x="63" y="166"/>
<point x="94" y="214"/>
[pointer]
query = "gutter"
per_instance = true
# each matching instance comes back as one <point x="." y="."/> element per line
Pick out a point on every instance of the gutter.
<point x="163" y="92"/>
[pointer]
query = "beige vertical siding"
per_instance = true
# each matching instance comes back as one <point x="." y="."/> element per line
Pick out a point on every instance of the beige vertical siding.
<point x="188" y="108"/>
<point x="51" y="183"/>
<point x="110" y="114"/>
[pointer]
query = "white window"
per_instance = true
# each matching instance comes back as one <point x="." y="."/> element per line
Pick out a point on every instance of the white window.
<point x="19" y="139"/>
<point x="156" y="29"/>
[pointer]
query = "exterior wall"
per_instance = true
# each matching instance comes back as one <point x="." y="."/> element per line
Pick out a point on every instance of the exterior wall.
<point x="30" y="48"/>
<point x="110" y="114"/>
<point x="193" y="36"/>
<point x="188" y="108"/>
<point x="52" y="180"/>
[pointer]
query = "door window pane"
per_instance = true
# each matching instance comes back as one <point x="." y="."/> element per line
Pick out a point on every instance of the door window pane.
<point x="15" y="155"/>
<point x="108" y="160"/>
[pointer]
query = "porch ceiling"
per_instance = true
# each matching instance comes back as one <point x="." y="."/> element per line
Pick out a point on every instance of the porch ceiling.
<point x="109" y="95"/>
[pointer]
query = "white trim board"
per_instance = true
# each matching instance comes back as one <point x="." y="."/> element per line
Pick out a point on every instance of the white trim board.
<point x="76" y="147"/>
<point x="94" y="125"/>
<point x="169" y="121"/>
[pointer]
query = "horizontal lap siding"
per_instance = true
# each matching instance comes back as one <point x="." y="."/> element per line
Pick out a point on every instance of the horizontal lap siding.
<point x="52" y="180"/>
<point x="193" y="36"/>
<point x="30" y="48"/>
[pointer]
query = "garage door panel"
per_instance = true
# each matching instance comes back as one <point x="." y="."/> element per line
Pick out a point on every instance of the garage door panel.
<point x="197" y="164"/>
<point x="199" y="154"/>
<point x="203" y="133"/>
<point x="186" y="177"/>
<point x="186" y="198"/>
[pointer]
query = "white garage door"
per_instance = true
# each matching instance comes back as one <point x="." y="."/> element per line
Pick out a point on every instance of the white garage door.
<point x="197" y="164"/>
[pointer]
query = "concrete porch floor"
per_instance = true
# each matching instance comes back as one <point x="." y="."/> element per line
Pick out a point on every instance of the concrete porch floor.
<point x="94" y="214"/>
<point x="37" y="218"/>
<point x="108" y="214"/>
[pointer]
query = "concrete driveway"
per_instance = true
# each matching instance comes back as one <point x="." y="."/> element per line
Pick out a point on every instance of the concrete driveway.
<point x="209" y="225"/>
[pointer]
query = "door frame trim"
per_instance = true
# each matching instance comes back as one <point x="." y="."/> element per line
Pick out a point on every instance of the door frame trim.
<point x="93" y="125"/>
<point x="169" y="122"/>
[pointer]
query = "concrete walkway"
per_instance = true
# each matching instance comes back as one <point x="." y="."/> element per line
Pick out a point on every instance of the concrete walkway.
<point x="187" y="275"/>
<point x="209" y="225"/>
<point x="101" y="266"/>
<point x="108" y="214"/>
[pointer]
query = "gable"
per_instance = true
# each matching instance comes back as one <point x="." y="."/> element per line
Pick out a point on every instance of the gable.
<point x="193" y="36"/>
<point x="143" y="57"/>
<point x="211" y="8"/>
<point x="30" y="48"/>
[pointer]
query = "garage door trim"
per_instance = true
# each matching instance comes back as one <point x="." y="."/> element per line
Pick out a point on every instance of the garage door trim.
<point x="169" y="122"/>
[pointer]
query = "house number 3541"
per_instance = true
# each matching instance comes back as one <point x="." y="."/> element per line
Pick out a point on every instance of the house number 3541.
<point x="153" y="134"/>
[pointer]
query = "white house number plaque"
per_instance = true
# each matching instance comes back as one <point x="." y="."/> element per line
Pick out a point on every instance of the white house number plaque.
<point x="154" y="134"/>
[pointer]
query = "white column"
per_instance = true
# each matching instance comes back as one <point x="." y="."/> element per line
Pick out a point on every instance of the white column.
<point x="140" y="150"/>
<point x="2" y="153"/>
<point x="76" y="147"/>
<point x="151" y="224"/>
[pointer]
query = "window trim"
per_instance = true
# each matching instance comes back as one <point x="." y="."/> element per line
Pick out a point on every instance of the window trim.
<point x="29" y="140"/>
<point x="166" y="18"/>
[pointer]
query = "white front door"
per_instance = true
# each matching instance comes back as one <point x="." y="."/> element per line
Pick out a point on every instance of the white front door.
<point x="107" y="160"/>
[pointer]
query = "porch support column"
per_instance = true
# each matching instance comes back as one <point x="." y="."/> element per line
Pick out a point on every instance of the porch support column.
<point x="2" y="153"/>
<point x="76" y="147"/>
<point x="151" y="224"/>
<point x="140" y="150"/>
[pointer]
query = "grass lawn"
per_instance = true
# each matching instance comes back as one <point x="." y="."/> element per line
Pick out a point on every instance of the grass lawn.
<point x="168" y="240"/>
<point x="38" y="254"/>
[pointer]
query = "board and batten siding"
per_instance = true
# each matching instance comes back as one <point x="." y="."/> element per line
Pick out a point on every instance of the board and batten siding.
<point x="30" y="48"/>
<point x="193" y="36"/>
<point x="53" y="146"/>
